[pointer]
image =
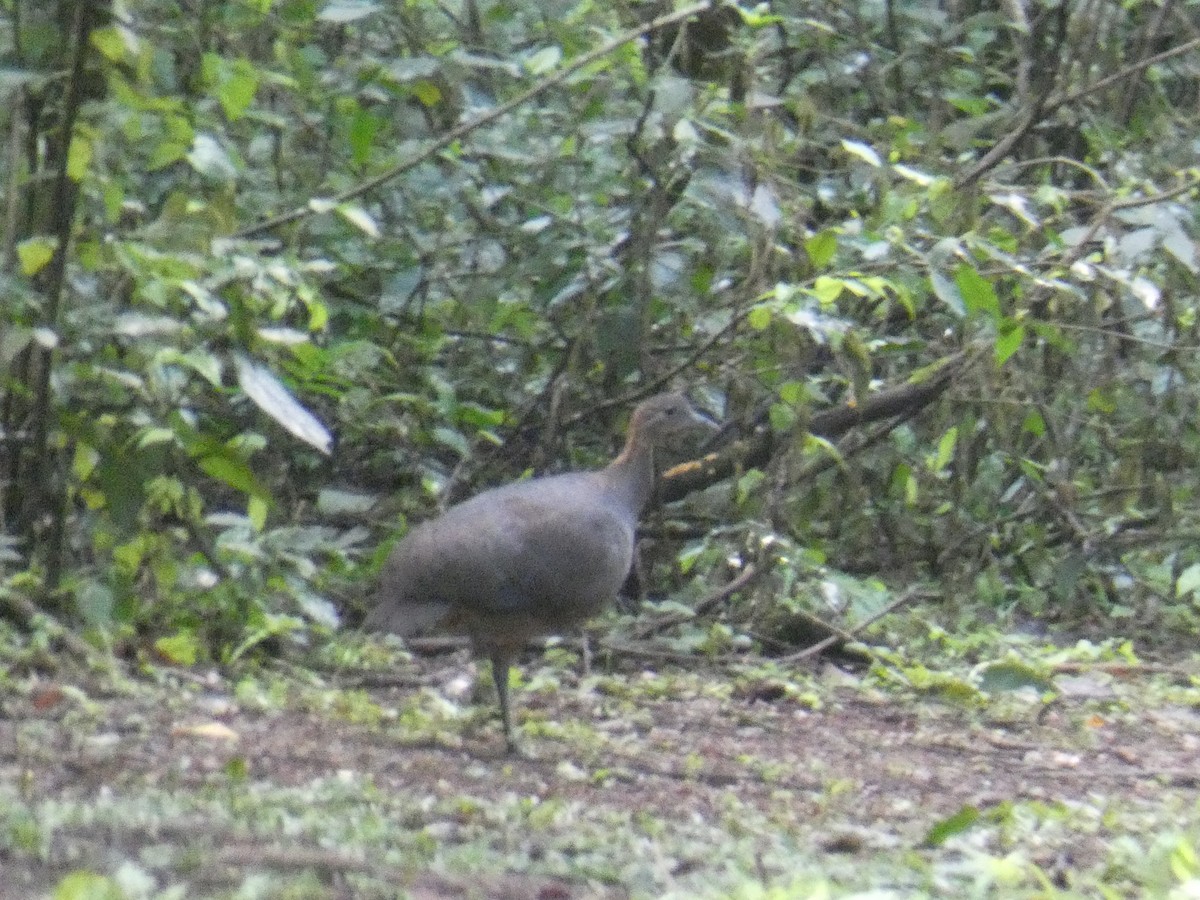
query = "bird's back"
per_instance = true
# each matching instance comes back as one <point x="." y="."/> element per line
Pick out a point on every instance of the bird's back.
<point x="513" y="562"/>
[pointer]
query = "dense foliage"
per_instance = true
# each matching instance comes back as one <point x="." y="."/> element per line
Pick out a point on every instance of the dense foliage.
<point x="462" y="238"/>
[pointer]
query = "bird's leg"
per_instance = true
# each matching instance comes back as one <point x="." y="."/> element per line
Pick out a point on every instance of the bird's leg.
<point x="501" y="662"/>
<point x="585" y="653"/>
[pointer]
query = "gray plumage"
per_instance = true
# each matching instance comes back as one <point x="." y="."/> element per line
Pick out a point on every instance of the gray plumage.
<point x="530" y="558"/>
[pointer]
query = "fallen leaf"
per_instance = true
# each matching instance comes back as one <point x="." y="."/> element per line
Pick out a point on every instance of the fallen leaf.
<point x="47" y="696"/>
<point x="212" y="731"/>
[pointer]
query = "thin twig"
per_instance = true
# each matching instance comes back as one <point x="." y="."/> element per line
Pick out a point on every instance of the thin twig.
<point x="1122" y="73"/>
<point x="1051" y="104"/>
<point x="720" y="595"/>
<point x="1160" y="197"/>
<point x="682" y="659"/>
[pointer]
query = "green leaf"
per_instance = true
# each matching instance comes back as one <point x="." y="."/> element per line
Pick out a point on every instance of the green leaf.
<point x="782" y="417"/>
<point x="237" y="88"/>
<point x="821" y="446"/>
<point x="748" y="484"/>
<point x="363" y="128"/>
<point x="150" y="436"/>
<point x="821" y="248"/>
<point x="1011" y="675"/>
<point x="904" y="484"/>
<point x="1189" y="581"/>
<point x="166" y="153"/>
<point x="954" y="825"/>
<point x="971" y="105"/>
<point x="689" y="555"/>
<point x="793" y="392"/>
<point x="199" y="361"/>
<point x="759" y="317"/>
<point x="272" y="626"/>
<point x="544" y="60"/>
<point x="85" y="462"/>
<point x="977" y="292"/>
<point x="1008" y="343"/>
<point x="256" y="509"/>
<point x="79" y="156"/>
<point x="427" y="92"/>
<point x="1185" y="863"/>
<point x="110" y="42"/>
<point x="35" y="252"/>
<point x="827" y="289"/>
<point x="1034" y="423"/>
<point x="1101" y="401"/>
<point x="270" y="395"/>
<point x="181" y="648"/>
<point x="84" y="885"/>
<point x="360" y="219"/>
<point x="862" y="151"/>
<point x="945" y="451"/>
<point x="946" y="291"/>
<point x="227" y="468"/>
<point x="758" y="17"/>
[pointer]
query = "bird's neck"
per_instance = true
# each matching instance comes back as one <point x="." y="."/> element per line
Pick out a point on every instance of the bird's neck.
<point x="631" y="474"/>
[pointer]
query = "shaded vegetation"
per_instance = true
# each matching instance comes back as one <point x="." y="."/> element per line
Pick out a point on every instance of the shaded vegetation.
<point x="281" y="276"/>
<point x="461" y="241"/>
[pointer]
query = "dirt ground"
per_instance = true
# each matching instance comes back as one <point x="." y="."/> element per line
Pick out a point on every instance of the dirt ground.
<point x="695" y="761"/>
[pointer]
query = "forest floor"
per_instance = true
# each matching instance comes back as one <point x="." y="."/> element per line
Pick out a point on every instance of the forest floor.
<point x="684" y="782"/>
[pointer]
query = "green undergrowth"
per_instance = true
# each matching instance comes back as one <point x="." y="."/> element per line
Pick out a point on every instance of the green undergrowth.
<point x="160" y="844"/>
<point x="588" y="804"/>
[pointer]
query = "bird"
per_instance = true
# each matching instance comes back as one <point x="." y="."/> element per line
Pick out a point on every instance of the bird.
<point x="530" y="558"/>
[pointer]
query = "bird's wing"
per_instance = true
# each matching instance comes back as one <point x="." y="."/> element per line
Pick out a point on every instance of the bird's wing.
<point x="546" y="556"/>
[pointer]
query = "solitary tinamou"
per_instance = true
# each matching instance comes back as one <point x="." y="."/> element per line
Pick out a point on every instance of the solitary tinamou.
<point x="530" y="558"/>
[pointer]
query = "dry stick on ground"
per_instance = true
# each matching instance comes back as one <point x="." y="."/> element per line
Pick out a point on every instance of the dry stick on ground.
<point x="849" y="633"/>
<point x="389" y="679"/>
<point x="720" y="595"/>
<point x="1122" y="669"/>
<point x="27" y="611"/>
<point x="426" y="884"/>
<point x="685" y="660"/>
<point x="492" y="115"/>
<point x="839" y="635"/>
